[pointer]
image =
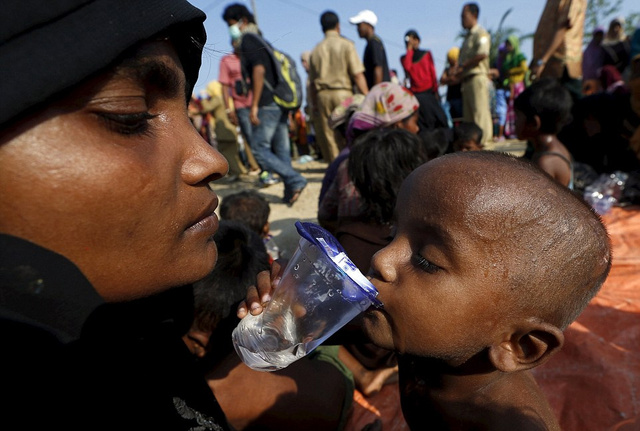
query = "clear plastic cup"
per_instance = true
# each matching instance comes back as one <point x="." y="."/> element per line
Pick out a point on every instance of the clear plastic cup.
<point x="321" y="290"/>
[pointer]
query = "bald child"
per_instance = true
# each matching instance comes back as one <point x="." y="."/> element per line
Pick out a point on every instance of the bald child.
<point x="491" y="261"/>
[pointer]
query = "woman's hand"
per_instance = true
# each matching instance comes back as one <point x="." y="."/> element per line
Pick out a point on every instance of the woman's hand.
<point x="258" y="296"/>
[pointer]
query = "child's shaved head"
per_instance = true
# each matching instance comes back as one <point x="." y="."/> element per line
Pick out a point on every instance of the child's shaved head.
<point x="542" y="242"/>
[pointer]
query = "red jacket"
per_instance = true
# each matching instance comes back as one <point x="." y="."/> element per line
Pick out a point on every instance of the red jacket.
<point x="422" y="72"/>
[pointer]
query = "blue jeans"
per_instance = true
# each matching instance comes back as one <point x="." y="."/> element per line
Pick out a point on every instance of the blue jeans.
<point x="244" y="122"/>
<point x="272" y="149"/>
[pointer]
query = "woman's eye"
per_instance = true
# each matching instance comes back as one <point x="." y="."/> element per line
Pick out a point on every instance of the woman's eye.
<point x="128" y="124"/>
<point x="424" y="264"/>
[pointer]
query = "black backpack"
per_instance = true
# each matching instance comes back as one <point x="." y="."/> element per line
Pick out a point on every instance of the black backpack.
<point x="288" y="90"/>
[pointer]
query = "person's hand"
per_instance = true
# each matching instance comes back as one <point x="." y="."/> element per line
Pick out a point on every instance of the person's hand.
<point x="233" y="117"/>
<point x="259" y="295"/>
<point x="373" y="426"/>
<point x="253" y="116"/>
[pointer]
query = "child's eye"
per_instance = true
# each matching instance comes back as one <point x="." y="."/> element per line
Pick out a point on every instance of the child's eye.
<point x="127" y="124"/>
<point x="424" y="264"/>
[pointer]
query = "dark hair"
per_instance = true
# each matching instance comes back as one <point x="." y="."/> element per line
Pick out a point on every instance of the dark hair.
<point x="329" y="20"/>
<point x="473" y="8"/>
<point x="236" y="12"/>
<point x="435" y="141"/>
<point x="412" y="33"/>
<point x="247" y="206"/>
<point x="467" y="131"/>
<point x="550" y="101"/>
<point x="241" y="256"/>
<point x="379" y="162"/>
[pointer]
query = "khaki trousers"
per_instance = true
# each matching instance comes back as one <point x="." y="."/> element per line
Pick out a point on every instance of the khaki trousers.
<point x="328" y="140"/>
<point x="475" y="104"/>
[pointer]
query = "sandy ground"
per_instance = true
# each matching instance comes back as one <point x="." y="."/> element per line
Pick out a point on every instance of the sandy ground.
<point x="282" y="217"/>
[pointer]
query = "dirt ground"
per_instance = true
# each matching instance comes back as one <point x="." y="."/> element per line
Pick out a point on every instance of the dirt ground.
<point x="282" y="217"/>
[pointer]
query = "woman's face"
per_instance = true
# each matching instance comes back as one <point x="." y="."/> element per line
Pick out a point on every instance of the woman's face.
<point x="410" y="124"/>
<point x="114" y="177"/>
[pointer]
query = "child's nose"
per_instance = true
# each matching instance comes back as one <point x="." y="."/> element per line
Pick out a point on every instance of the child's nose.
<point x="382" y="265"/>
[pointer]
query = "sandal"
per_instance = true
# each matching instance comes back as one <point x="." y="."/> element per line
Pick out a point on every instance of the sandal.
<point x="295" y="194"/>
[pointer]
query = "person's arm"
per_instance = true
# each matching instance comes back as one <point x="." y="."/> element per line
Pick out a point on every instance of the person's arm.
<point x="257" y="85"/>
<point x="473" y="62"/>
<point x="228" y="101"/>
<point x="538" y="64"/>
<point x="378" y="75"/>
<point x="407" y="60"/>
<point x="361" y="83"/>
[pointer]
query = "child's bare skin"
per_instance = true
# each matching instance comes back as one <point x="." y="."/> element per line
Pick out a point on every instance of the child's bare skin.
<point x="480" y="241"/>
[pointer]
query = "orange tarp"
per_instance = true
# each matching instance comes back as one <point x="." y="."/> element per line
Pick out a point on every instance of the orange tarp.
<point x="593" y="383"/>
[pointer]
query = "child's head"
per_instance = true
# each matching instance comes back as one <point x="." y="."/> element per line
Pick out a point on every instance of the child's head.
<point x="241" y="256"/>
<point x="543" y="108"/>
<point x="467" y="136"/>
<point x="378" y="163"/>
<point x="249" y="207"/>
<point x="491" y="260"/>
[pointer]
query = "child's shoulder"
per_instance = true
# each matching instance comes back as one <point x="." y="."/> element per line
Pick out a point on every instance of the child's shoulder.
<point x="512" y="401"/>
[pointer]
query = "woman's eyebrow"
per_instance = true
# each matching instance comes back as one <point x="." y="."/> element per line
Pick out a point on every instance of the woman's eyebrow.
<point x="157" y="74"/>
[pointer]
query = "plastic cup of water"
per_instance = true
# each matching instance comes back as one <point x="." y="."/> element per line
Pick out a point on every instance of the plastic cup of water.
<point x="321" y="290"/>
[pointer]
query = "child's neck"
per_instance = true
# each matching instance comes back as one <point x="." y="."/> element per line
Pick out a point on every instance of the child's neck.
<point x="544" y="141"/>
<point x="475" y="396"/>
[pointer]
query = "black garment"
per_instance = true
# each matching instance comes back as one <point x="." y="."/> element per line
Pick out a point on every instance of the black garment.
<point x="375" y="55"/>
<point x="252" y="54"/>
<point x="431" y="113"/>
<point x="72" y="362"/>
<point x="48" y="47"/>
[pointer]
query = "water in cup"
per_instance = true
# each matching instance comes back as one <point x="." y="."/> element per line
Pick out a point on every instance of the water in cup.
<point x="321" y="290"/>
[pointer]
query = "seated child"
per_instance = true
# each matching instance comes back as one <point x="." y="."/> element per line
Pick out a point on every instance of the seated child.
<point x="490" y="262"/>
<point x="315" y="393"/>
<point x="378" y="163"/>
<point x="541" y="111"/>
<point x="467" y="136"/>
<point x="251" y="208"/>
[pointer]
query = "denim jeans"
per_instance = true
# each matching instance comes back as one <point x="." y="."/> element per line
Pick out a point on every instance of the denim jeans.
<point x="244" y="122"/>
<point x="272" y="149"/>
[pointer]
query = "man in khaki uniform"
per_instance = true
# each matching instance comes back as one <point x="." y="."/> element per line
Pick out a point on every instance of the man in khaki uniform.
<point x="473" y="70"/>
<point x="557" y="44"/>
<point x="334" y="68"/>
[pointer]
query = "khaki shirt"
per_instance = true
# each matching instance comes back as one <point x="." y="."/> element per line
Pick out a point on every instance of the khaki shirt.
<point x="334" y="62"/>
<point x="558" y="14"/>
<point x="476" y="42"/>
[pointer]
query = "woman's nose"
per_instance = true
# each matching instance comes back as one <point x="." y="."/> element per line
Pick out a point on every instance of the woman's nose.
<point x="204" y="163"/>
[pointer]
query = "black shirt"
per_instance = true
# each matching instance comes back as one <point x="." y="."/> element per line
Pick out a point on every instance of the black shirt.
<point x="72" y="362"/>
<point x="375" y="55"/>
<point x="253" y="52"/>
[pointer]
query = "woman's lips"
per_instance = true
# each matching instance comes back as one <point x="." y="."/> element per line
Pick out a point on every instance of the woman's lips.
<point x="208" y="225"/>
<point x="207" y="222"/>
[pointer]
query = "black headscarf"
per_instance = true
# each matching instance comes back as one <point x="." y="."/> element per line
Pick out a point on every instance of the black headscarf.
<point x="48" y="46"/>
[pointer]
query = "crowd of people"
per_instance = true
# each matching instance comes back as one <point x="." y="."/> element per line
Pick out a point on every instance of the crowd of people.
<point x="119" y="285"/>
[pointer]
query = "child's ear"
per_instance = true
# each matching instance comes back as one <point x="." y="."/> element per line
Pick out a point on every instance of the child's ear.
<point x="527" y="347"/>
<point x="265" y="229"/>
<point x="536" y="122"/>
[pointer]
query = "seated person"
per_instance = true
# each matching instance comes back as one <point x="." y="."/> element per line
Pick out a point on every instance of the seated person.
<point x="490" y="263"/>
<point x="467" y="136"/>
<point x="386" y="106"/>
<point x="315" y="393"/>
<point x="251" y="208"/>
<point x="378" y="163"/>
<point x="541" y="112"/>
